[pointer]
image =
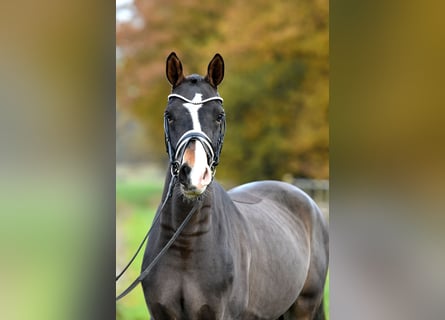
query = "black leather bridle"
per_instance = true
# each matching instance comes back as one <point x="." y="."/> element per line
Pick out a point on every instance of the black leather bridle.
<point x="176" y="154"/>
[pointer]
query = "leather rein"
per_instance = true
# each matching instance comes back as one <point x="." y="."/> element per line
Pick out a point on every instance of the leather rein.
<point x="175" y="156"/>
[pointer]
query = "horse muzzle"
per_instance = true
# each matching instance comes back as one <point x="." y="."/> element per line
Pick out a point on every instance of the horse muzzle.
<point x="194" y="173"/>
<point x="192" y="161"/>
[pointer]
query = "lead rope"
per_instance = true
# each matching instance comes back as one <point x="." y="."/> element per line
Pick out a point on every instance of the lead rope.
<point x="170" y="188"/>
<point x="162" y="252"/>
<point x="174" y="169"/>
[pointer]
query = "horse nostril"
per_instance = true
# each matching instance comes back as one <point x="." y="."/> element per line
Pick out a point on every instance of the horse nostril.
<point x="184" y="174"/>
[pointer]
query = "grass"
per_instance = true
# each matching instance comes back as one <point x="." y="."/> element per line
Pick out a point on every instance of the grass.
<point x="326" y="298"/>
<point x="136" y="204"/>
<point x="138" y="193"/>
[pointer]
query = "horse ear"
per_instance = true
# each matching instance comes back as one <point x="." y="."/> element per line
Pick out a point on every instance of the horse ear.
<point x="174" y="70"/>
<point x="215" y="71"/>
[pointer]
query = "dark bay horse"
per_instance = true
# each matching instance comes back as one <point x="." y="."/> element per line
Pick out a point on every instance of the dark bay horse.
<point x="259" y="251"/>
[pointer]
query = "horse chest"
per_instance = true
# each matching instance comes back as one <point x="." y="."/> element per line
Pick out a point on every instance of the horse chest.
<point x="199" y="292"/>
<point x="185" y="297"/>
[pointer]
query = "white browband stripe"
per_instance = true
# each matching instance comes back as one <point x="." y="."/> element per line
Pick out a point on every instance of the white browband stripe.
<point x="174" y="95"/>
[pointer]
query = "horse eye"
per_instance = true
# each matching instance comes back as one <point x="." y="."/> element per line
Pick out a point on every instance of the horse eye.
<point x="220" y="117"/>
<point x="168" y="116"/>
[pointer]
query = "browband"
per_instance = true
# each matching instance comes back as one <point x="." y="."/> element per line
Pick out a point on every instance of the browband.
<point x="174" y="95"/>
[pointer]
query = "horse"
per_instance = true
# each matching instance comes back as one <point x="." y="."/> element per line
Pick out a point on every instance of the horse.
<point x="258" y="251"/>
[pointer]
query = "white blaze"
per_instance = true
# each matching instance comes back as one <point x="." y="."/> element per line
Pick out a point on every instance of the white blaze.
<point x="200" y="176"/>
<point x="193" y="110"/>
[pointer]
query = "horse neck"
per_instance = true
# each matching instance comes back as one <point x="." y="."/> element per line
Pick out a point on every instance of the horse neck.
<point x="177" y="207"/>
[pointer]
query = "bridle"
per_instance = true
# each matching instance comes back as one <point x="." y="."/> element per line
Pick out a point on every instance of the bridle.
<point x="176" y="154"/>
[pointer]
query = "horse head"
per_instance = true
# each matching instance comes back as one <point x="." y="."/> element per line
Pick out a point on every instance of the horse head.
<point x="194" y="124"/>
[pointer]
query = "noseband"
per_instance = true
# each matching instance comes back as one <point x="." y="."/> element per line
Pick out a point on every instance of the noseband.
<point x="176" y="154"/>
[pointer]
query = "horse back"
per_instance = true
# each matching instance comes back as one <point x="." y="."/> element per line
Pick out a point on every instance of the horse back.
<point x="275" y="200"/>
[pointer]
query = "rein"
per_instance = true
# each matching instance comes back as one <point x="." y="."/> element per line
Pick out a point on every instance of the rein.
<point x="157" y="215"/>
<point x="147" y="270"/>
<point x="175" y="156"/>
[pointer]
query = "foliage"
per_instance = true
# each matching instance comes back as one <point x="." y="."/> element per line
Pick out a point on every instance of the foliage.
<point x="275" y="89"/>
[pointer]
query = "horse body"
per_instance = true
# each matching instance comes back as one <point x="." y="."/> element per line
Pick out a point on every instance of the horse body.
<point x="250" y="258"/>
<point x="258" y="251"/>
<point x="288" y="247"/>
